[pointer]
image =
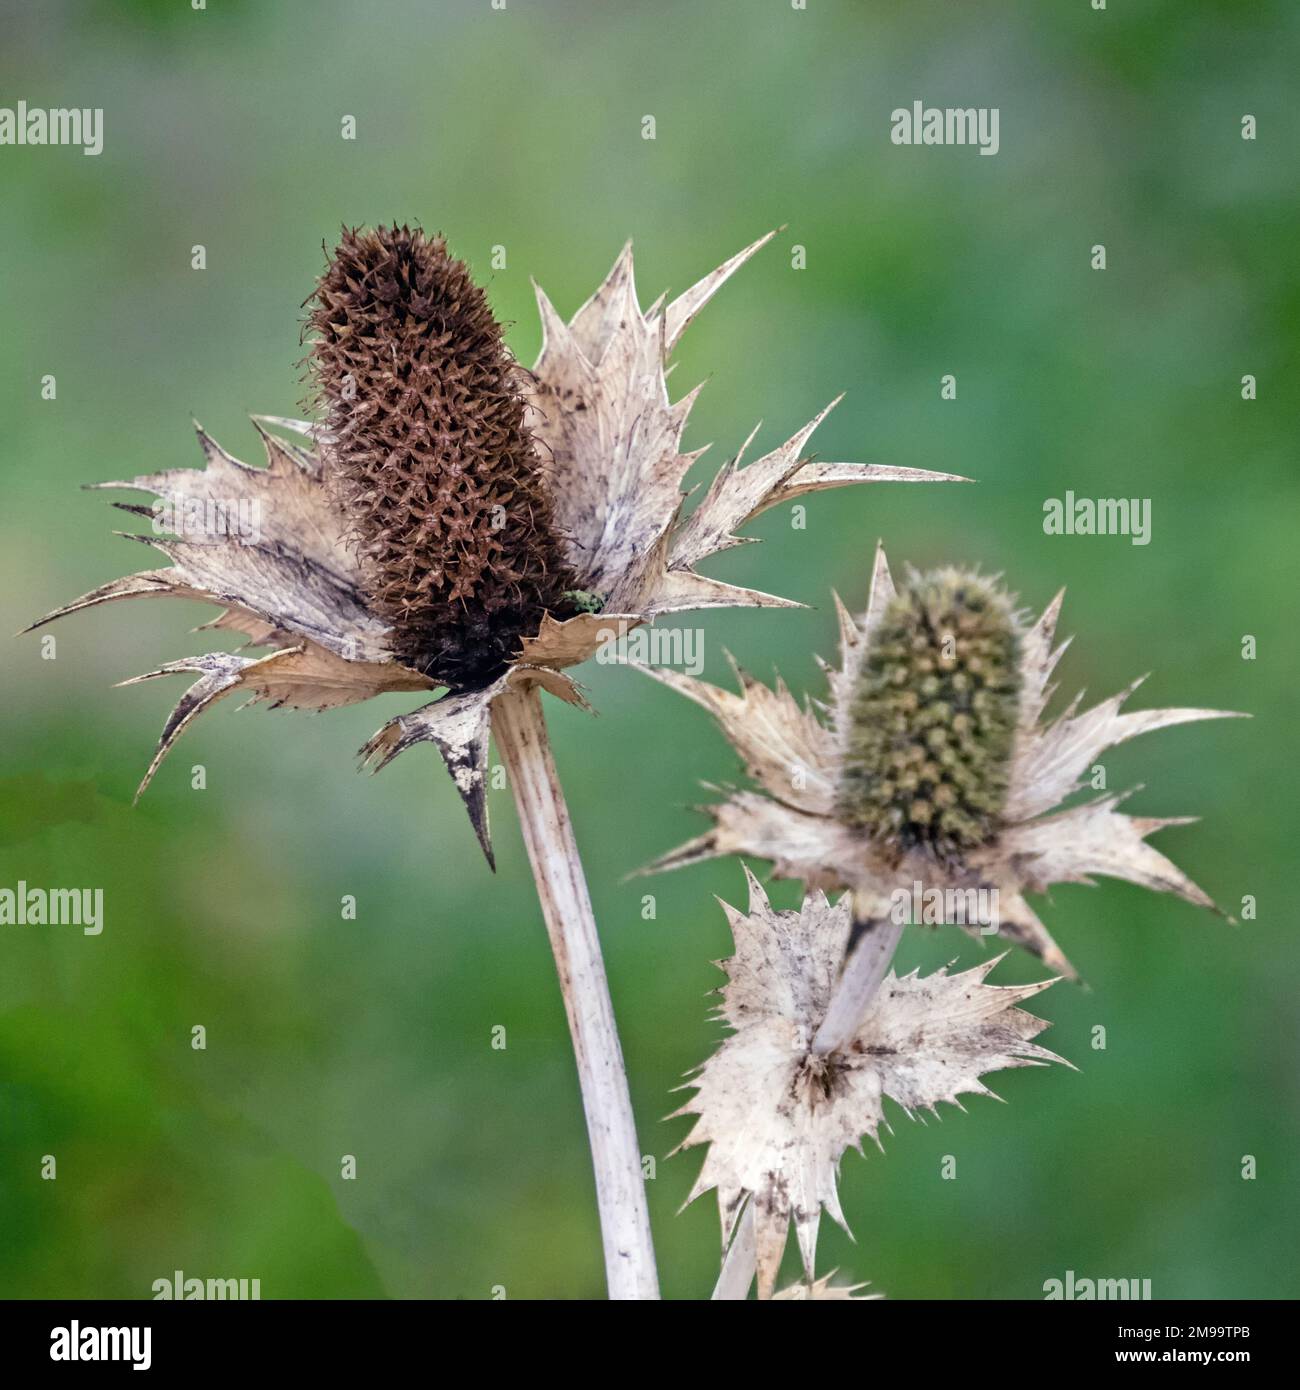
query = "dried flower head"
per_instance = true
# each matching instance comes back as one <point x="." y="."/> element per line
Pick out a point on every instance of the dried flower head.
<point x="457" y="520"/>
<point x="934" y="767"/>
<point x="778" y="1113"/>
<point x="429" y="458"/>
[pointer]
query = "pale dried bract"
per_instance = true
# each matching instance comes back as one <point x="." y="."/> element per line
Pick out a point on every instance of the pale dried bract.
<point x="778" y="1115"/>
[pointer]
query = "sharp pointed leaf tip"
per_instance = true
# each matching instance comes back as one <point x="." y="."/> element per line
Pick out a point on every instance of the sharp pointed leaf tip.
<point x="476" y="804"/>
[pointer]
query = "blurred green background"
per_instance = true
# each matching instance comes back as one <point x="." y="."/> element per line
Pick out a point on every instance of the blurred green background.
<point x="522" y="128"/>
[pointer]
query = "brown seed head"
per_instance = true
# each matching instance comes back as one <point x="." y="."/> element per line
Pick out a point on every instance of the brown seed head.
<point x="429" y="457"/>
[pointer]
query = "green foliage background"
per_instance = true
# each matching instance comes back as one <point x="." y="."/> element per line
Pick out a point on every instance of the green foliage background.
<point x="522" y="128"/>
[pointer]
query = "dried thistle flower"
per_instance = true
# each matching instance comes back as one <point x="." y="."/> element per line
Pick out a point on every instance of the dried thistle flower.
<point x="934" y="767"/>
<point x="459" y="521"/>
<point x="778" y="1105"/>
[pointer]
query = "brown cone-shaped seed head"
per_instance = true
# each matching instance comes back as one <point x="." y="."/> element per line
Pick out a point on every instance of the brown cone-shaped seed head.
<point x="429" y="458"/>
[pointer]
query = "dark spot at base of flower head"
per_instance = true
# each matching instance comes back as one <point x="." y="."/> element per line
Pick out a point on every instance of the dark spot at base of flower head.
<point x="429" y="457"/>
<point x="933" y="717"/>
<point x="818" y="1078"/>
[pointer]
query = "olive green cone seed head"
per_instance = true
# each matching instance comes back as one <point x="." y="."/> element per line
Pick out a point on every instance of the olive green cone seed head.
<point x="428" y="456"/>
<point x="932" y="717"/>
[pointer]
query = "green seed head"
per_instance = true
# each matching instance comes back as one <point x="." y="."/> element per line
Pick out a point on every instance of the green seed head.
<point x="933" y="715"/>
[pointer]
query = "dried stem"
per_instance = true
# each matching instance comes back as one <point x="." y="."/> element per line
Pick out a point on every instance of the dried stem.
<point x="859" y="980"/>
<point x="520" y="729"/>
<point x="740" y="1261"/>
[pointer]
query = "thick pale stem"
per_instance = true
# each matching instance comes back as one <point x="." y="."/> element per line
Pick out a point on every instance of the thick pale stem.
<point x="740" y="1261"/>
<point x="859" y="980"/>
<point x="520" y="729"/>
